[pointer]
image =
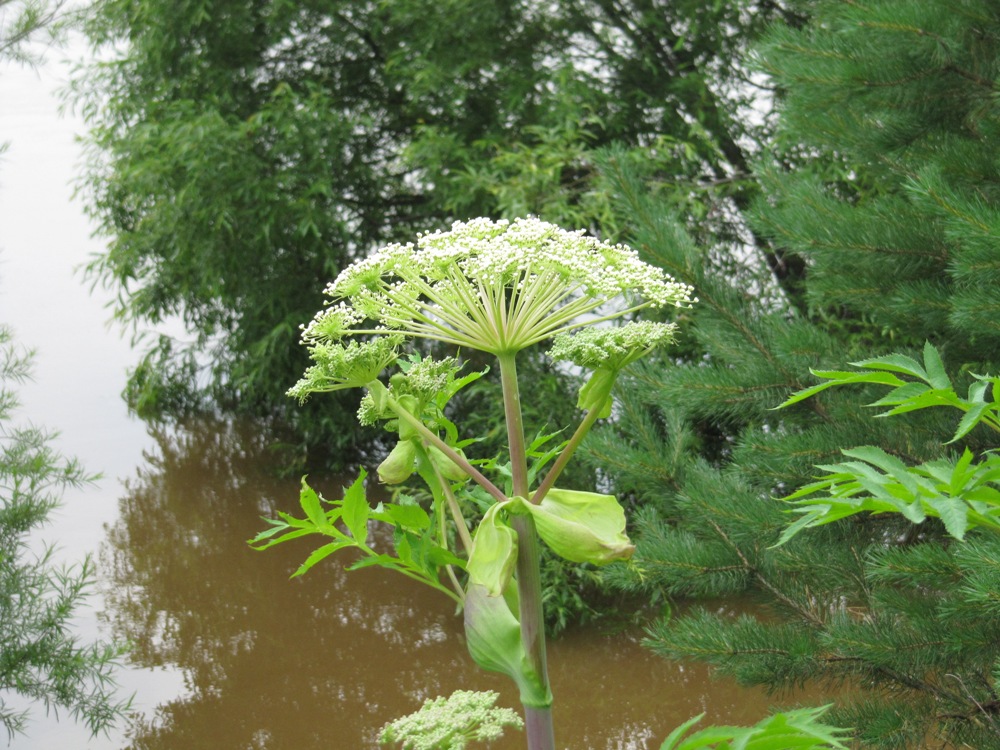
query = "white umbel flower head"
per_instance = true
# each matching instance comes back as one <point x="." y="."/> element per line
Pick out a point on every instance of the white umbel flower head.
<point x="498" y="287"/>
<point x="451" y="723"/>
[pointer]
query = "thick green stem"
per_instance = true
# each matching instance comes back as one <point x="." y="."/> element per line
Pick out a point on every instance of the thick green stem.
<point x="538" y="724"/>
<point x="515" y="425"/>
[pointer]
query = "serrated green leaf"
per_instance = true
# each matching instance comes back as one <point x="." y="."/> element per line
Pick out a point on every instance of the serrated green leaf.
<point x="809" y="489"/>
<point x="713" y="736"/>
<point x="839" y="377"/>
<point x="459" y="383"/>
<point x="902" y="394"/>
<point x="355" y="509"/>
<point x="888" y="463"/>
<point x="961" y="472"/>
<point x="953" y="512"/>
<point x="871" y="480"/>
<point x="276" y="528"/>
<point x="381" y="560"/>
<point x="805" y="522"/>
<point x="926" y="400"/>
<point x="411" y="517"/>
<point x="970" y="419"/>
<point x="439" y="557"/>
<point x="894" y="363"/>
<point x="936" y="374"/>
<point x="674" y="737"/>
<point x="784" y="731"/>
<point x="320" y="554"/>
<point x="940" y="471"/>
<point x="403" y="547"/>
<point x="296" y="523"/>
<point x="913" y="512"/>
<point x="281" y="539"/>
<point x="309" y="501"/>
<point x="977" y="391"/>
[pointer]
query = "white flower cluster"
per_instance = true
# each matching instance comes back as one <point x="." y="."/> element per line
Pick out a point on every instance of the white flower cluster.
<point x="611" y="347"/>
<point x="451" y="723"/>
<point x="497" y="287"/>
<point x="494" y="286"/>
<point x="502" y="252"/>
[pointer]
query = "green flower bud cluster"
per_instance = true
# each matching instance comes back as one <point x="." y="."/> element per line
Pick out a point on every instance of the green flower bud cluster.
<point x="451" y="723"/>
<point x="403" y="460"/>
<point x="338" y="366"/>
<point x="611" y="347"/>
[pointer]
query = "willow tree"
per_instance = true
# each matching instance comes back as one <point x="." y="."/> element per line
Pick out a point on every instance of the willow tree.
<point x="242" y="152"/>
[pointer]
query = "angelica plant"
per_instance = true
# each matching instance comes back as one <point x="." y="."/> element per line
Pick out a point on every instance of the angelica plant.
<point x="500" y="288"/>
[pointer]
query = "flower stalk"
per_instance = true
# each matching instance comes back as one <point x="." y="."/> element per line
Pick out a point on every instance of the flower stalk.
<point x="538" y="719"/>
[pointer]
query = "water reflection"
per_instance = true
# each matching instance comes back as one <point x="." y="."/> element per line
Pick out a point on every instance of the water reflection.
<point x="325" y="660"/>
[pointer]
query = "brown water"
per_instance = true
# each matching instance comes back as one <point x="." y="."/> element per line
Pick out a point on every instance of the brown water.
<point x="325" y="660"/>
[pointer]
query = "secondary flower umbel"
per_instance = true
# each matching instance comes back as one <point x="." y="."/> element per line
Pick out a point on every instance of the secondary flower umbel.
<point x="498" y="287"/>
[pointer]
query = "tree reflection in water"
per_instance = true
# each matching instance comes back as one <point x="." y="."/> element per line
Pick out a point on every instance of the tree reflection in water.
<point x="325" y="660"/>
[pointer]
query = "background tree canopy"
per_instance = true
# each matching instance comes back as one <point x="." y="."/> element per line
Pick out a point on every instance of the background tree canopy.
<point x="833" y="199"/>
<point x="243" y="152"/>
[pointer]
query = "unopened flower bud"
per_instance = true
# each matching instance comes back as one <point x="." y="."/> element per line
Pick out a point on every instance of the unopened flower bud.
<point x="448" y="468"/>
<point x="399" y="464"/>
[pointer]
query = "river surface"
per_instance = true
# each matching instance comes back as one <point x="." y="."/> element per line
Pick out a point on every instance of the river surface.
<point x="227" y="652"/>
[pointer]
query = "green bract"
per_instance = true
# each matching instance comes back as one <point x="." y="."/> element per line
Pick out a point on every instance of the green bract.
<point x="582" y="526"/>
<point x="493" y="634"/>
<point x="494" y="553"/>
<point x="498" y="287"/>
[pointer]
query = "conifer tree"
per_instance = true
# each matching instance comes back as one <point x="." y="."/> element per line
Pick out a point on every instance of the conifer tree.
<point x="885" y="202"/>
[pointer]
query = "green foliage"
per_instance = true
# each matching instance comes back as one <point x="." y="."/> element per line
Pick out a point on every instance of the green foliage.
<point x="877" y="199"/>
<point x="782" y="731"/>
<point x="419" y="554"/>
<point x="907" y="396"/>
<point x="24" y="23"/>
<point x="42" y="660"/>
<point x="963" y="493"/>
<point x="242" y="153"/>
